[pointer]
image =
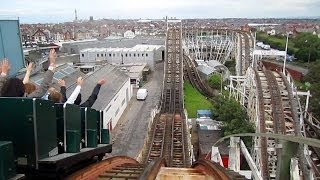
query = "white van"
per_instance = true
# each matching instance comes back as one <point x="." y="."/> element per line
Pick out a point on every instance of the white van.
<point x="142" y="94"/>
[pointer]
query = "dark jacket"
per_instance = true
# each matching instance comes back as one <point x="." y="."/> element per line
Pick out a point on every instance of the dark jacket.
<point x="63" y="91"/>
<point x="91" y="100"/>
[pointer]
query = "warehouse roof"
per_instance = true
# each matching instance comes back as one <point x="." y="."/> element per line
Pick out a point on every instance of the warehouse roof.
<point x="115" y="79"/>
<point x="65" y="71"/>
<point x="205" y="69"/>
<point x="139" y="47"/>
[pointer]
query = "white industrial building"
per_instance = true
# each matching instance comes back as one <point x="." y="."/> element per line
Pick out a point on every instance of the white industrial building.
<point x="138" y="54"/>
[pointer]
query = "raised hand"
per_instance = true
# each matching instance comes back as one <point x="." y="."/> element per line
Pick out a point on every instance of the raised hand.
<point x="101" y="81"/>
<point x="5" y="66"/>
<point x="80" y="81"/>
<point x="52" y="56"/>
<point x="61" y="82"/>
<point x="29" y="67"/>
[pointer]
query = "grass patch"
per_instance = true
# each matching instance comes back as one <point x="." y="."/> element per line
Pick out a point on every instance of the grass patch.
<point x="194" y="100"/>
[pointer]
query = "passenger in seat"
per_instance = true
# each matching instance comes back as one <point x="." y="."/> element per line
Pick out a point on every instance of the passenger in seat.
<point x="29" y="87"/>
<point x="14" y="87"/>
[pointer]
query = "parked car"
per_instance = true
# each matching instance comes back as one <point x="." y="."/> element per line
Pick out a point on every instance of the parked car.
<point x="142" y="94"/>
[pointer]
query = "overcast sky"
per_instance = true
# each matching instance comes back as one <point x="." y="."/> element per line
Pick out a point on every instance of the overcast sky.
<point x="34" y="11"/>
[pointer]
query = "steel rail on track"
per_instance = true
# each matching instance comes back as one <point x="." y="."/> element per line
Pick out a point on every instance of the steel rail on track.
<point x="153" y="168"/>
<point x="172" y="105"/>
<point x="296" y="139"/>
<point x="216" y="171"/>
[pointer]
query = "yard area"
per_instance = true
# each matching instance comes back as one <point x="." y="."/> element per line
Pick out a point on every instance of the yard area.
<point x="277" y="42"/>
<point x="194" y="100"/>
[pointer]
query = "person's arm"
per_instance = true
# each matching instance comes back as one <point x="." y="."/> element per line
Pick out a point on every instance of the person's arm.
<point x="63" y="89"/>
<point x="47" y="77"/>
<point x="74" y="95"/>
<point x="94" y="95"/>
<point x="44" y="86"/>
<point x="78" y="100"/>
<point x="28" y="72"/>
<point x="76" y="91"/>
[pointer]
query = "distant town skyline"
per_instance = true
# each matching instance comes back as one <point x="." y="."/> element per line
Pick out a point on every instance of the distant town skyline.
<point x="42" y="11"/>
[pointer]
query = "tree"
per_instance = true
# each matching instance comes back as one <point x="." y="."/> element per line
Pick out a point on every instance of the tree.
<point x="215" y="81"/>
<point x="234" y="117"/>
<point x="315" y="100"/>
<point x="313" y="78"/>
<point x="308" y="45"/>
<point x="313" y="73"/>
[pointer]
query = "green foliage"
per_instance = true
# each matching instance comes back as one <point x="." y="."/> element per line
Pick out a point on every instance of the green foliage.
<point x="231" y="65"/>
<point x="315" y="99"/>
<point x="313" y="78"/>
<point x="215" y="81"/>
<point x="194" y="100"/>
<point x="308" y="45"/>
<point x="304" y="46"/>
<point x="313" y="73"/>
<point x="233" y="116"/>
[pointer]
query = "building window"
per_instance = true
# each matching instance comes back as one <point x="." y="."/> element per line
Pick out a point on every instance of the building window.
<point x="105" y="55"/>
<point x="97" y="55"/>
<point x="142" y="54"/>
<point x="123" y="101"/>
<point x="134" y="55"/>
<point x="114" y="55"/>
<point x="116" y="98"/>
<point x="101" y="55"/>
<point x="130" y="55"/>
<point x="117" y="112"/>
<point x="138" y="54"/>
<point x="110" y="55"/>
<point x="108" y="108"/>
<point x="82" y="55"/>
<point x="126" y="55"/>
<point x="146" y="54"/>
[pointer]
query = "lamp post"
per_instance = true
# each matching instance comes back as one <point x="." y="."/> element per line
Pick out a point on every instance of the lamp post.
<point x="309" y="51"/>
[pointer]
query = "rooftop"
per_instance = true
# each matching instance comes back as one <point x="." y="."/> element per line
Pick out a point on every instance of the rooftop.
<point x="115" y="79"/>
<point x="139" y="47"/>
<point x="65" y="71"/>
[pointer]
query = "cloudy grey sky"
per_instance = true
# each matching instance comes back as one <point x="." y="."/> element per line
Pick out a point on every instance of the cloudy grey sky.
<point x="33" y="11"/>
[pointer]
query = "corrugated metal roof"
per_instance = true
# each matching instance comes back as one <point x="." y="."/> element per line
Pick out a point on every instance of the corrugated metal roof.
<point x="70" y="75"/>
<point x="115" y="79"/>
<point x="205" y="69"/>
<point x="139" y="47"/>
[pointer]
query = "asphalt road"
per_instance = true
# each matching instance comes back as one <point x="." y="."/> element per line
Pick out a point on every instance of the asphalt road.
<point x="129" y="134"/>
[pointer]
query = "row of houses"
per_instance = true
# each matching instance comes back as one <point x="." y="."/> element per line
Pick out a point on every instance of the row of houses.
<point x="280" y="30"/>
<point x="63" y="35"/>
<point x="69" y="32"/>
